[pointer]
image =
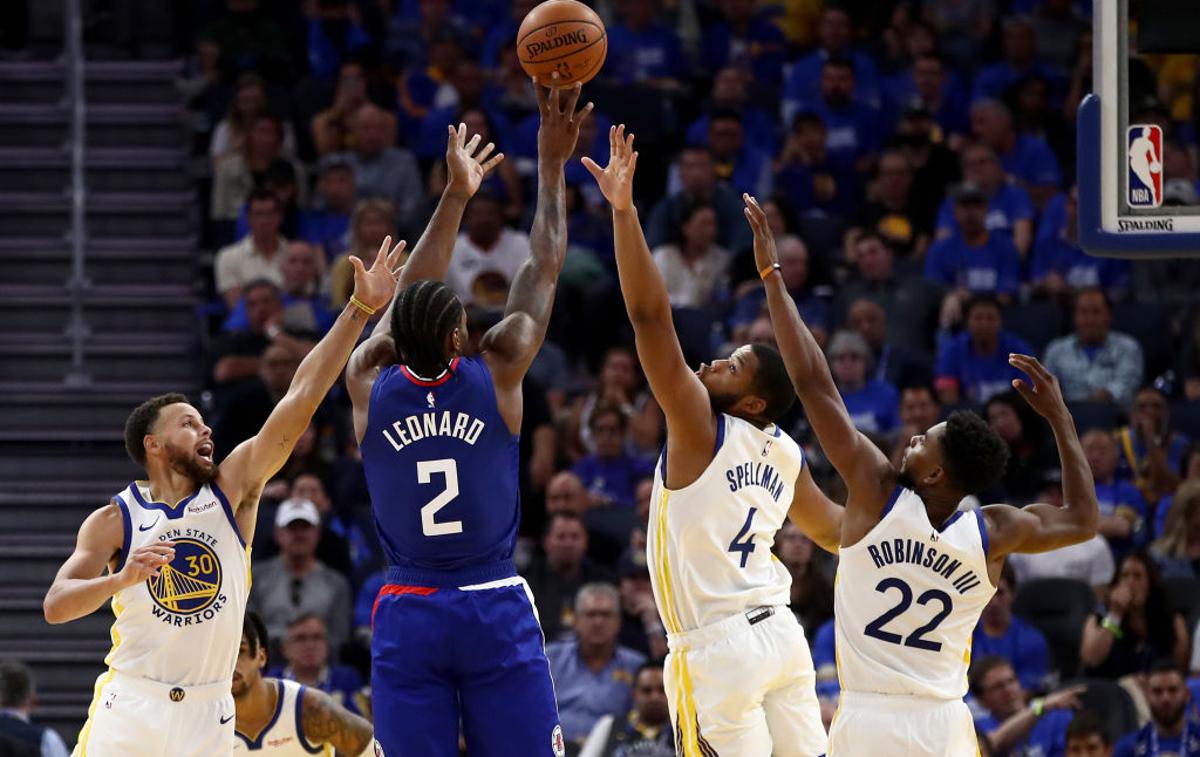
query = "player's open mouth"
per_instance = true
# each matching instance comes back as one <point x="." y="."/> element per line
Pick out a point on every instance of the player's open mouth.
<point x="205" y="451"/>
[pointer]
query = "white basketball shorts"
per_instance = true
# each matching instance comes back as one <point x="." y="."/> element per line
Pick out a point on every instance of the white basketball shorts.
<point x="134" y="717"/>
<point x="744" y="686"/>
<point x="901" y="726"/>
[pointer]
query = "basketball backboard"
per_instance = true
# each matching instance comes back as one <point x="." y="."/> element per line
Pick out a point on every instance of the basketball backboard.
<point x="1127" y="207"/>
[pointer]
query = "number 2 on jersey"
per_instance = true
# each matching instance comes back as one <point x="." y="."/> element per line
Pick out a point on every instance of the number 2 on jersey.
<point x="745" y="547"/>
<point x="449" y="469"/>
<point x="914" y="640"/>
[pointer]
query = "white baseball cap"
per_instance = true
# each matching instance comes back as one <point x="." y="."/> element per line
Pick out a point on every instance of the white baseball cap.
<point x="292" y="510"/>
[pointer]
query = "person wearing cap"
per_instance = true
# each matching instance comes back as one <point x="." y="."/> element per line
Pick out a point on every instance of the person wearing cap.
<point x="296" y="581"/>
<point x="1009" y="208"/>
<point x="974" y="260"/>
<point x="872" y="404"/>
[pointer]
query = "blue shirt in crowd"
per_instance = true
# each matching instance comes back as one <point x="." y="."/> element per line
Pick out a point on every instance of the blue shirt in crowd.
<point x="850" y="132"/>
<point x="757" y="125"/>
<point x="1121" y="497"/>
<point x="760" y="51"/>
<point x="1009" y="205"/>
<point x="652" y="53"/>
<point x="1022" y="645"/>
<point x="614" y="479"/>
<point x="584" y="696"/>
<point x="994" y="267"/>
<point x="803" y="86"/>
<point x="1032" y="161"/>
<point x="814" y="310"/>
<point x="980" y="377"/>
<point x="1048" y="736"/>
<point x="873" y="408"/>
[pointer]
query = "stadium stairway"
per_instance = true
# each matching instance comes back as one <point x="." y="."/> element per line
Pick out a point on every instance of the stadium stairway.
<point x="61" y="449"/>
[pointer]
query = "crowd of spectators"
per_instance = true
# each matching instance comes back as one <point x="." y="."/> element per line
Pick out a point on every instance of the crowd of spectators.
<point x="916" y="161"/>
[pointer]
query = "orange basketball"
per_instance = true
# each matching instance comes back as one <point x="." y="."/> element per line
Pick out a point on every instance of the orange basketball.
<point x="564" y="37"/>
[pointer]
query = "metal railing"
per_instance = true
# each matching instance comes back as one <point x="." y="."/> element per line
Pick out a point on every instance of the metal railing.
<point x="73" y="56"/>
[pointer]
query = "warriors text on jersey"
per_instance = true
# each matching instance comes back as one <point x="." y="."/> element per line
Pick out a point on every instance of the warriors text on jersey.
<point x="709" y="543"/>
<point x="906" y="600"/>
<point x="283" y="735"/>
<point x="196" y="602"/>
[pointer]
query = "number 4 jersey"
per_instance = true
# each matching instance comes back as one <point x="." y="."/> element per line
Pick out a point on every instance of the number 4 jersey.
<point x="441" y="467"/>
<point x="906" y="600"/>
<point x="709" y="543"/>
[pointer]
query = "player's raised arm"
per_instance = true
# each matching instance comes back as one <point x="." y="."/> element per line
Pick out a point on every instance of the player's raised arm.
<point x="255" y="460"/>
<point x="815" y="514"/>
<point x="684" y="400"/>
<point x="81" y="586"/>
<point x="1043" y="527"/>
<point x="466" y="166"/>
<point x="854" y="456"/>
<point x="327" y="722"/>
<point x="510" y="346"/>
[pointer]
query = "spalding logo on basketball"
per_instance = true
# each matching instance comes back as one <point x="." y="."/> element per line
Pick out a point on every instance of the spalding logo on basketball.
<point x="563" y="37"/>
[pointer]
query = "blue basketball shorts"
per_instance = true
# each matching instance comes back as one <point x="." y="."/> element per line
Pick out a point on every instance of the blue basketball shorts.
<point x="470" y="658"/>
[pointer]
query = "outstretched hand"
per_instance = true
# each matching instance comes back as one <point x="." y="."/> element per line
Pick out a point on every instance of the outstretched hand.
<point x="616" y="181"/>
<point x="374" y="287"/>
<point x="1045" y="395"/>
<point x="765" y="254"/>
<point x="466" y="164"/>
<point x="559" y="130"/>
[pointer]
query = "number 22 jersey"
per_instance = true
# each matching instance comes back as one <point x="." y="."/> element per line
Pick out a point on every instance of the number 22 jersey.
<point x="907" y="598"/>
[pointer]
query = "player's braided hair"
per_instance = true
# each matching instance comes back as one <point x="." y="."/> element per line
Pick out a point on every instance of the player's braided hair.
<point x="425" y="313"/>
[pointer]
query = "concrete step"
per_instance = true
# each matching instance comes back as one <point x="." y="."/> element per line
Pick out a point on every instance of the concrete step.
<point x="24" y="564"/>
<point x="52" y="513"/>
<point x="25" y="125"/>
<point x="72" y="412"/>
<point x="105" y="82"/>
<point x="108" y="214"/>
<point x="62" y="664"/>
<point x="48" y="169"/>
<point x="127" y="311"/>
<point x="174" y="265"/>
<point x="63" y="462"/>
<point x="52" y="361"/>
<point x="23" y="618"/>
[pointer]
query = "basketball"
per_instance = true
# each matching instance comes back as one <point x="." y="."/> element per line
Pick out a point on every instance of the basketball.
<point x="564" y="37"/>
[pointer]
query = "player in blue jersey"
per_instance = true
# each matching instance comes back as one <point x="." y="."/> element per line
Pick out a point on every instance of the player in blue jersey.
<point x="456" y="637"/>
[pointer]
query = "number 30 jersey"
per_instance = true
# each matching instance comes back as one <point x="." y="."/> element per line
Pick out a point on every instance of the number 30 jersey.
<point x="441" y="468"/>
<point x="708" y="544"/>
<point x="907" y="598"/>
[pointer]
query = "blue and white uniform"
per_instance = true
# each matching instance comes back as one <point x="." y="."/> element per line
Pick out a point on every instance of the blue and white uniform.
<point x="906" y="600"/>
<point x="283" y="735"/>
<point x="159" y="696"/>
<point x="739" y="677"/>
<point x="456" y="635"/>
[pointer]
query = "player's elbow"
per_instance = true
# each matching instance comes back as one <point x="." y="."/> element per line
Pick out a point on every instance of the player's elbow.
<point x="53" y="610"/>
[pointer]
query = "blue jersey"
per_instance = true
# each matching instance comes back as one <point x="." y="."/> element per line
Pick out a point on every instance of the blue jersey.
<point x="441" y="467"/>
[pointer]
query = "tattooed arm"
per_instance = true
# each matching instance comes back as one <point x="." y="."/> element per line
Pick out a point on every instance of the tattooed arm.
<point x="327" y="722"/>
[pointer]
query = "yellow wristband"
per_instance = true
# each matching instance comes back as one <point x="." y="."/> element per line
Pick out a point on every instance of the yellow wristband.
<point x="362" y="305"/>
<point x="764" y="273"/>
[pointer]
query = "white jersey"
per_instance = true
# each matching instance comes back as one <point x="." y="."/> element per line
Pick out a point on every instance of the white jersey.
<point x="183" y="626"/>
<point x="906" y="601"/>
<point x="709" y="543"/>
<point x="283" y="736"/>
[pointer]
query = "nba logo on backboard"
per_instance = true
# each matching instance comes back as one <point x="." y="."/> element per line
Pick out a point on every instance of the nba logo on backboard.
<point x="1145" y="166"/>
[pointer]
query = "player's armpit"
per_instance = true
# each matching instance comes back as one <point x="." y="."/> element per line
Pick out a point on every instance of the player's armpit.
<point x="1038" y="527"/>
<point x="361" y="372"/>
<point x="819" y="517"/>
<point x="326" y="722"/>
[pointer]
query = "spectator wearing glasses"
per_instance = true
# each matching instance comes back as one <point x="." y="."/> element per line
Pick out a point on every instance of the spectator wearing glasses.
<point x="593" y="675"/>
<point x="296" y="582"/>
<point x="610" y="474"/>
<point x="306" y="654"/>
<point x="1013" y="723"/>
